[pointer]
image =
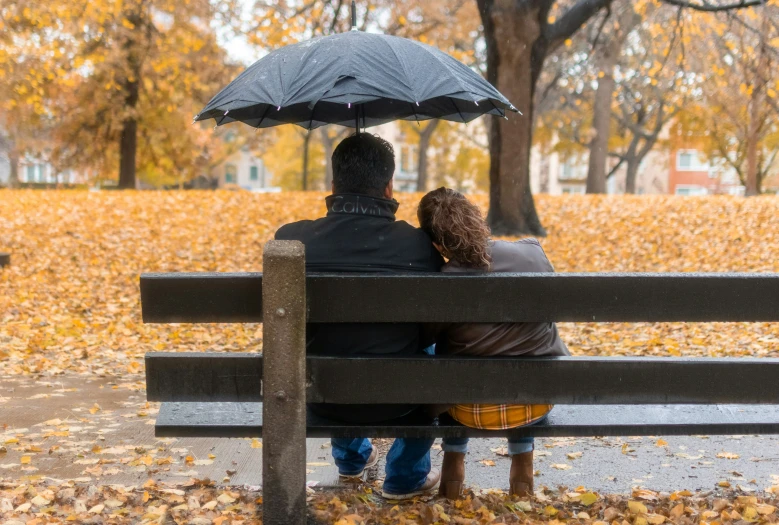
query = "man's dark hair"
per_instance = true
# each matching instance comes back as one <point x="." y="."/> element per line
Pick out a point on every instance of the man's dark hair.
<point x="363" y="164"/>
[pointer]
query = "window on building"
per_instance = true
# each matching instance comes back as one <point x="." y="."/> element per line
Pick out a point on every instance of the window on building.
<point x="408" y="158"/>
<point x="573" y="190"/>
<point x="30" y="173"/>
<point x="573" y="168"/>
<point x="254" y="173"/>
<point x="690" y="160"/>
<point x="690" y="190"/>
<point x="230" y="174"/>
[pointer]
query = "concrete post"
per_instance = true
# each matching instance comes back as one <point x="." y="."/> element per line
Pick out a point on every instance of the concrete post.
<point x="5" y="259"/>
<point x="284" y="383"/>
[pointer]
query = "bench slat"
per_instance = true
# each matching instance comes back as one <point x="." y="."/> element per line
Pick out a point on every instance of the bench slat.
<point x="208" y="377"/>
<point x="692" y="297"/>
<point x="245" y="420"/>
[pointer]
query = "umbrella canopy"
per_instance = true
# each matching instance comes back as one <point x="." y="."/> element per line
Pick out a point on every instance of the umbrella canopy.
<point x="355" y="79"/>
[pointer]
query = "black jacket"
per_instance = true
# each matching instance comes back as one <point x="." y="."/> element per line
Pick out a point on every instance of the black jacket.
<point x="360" y="234"/>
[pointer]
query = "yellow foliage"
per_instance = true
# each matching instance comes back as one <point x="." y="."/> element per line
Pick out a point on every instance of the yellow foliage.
<point x="73" y="68"/>
<point x="69" y="300"/>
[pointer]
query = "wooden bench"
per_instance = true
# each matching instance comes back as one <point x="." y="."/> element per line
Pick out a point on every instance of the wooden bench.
<point x="222" y="394"/>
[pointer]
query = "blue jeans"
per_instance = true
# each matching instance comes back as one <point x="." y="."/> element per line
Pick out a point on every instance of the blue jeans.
<point x="408" y="461"/>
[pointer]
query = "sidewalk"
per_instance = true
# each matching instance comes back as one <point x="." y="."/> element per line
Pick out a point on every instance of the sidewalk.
<point x="95" y="431"/>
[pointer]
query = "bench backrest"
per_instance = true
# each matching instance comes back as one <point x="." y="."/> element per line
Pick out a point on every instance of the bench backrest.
<point x="365" y="298"/>
<point x="457" y="298"/>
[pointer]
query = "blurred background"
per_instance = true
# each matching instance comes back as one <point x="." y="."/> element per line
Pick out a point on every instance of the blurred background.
<point x="644" y="97"/>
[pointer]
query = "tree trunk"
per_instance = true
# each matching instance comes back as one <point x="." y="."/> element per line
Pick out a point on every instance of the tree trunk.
<point x="753" y="168"/>
<point x="128" y="141"/>
<point x="630" y="176"/>
<point x="753" y="186"/>
<point x="13" y="159"/>
<point x="601" y="123"/>
<point x="515" y="55"/>
<point x="306" y="141"/>
<point x="128" y="146"/>
<point x="327" y="145"/>
<point x="424" y="143"/>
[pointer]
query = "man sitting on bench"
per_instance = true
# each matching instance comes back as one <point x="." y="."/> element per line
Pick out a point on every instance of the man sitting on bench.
<point x="360" y="234"/>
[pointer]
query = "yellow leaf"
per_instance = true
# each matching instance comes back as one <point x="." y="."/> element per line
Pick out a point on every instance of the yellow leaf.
<point x="588" y="498"/>
<point x="728" y="455"/>
<point x="637" y="507"/>
<point x="256" y="443"/>
<point x="25" y="460"/>
<point x="561" y="466"/>
<point x="661" y="443"/>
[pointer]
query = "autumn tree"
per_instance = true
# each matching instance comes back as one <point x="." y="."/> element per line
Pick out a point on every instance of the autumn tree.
<point x="736" y="118"/>
<point x="645" y="80"/>
<point x="104" y="76"/>
<point x="520" y="35"/>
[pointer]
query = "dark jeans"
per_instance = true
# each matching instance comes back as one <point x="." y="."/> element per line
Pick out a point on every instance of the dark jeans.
<point x="408" y="461"/>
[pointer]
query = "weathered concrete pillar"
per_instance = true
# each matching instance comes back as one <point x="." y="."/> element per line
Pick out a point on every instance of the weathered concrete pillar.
<point x="284" y="383"/>
<point x="5" y="259"/>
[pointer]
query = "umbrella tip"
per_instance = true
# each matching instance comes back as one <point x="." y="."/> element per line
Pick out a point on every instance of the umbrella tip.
<point x="354" y="16"/>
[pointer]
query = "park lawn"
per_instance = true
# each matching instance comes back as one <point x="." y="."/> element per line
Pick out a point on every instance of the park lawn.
<point x="69" y="302"/>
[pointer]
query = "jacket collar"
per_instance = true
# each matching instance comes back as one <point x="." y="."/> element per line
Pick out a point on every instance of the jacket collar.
<point x="354" y="204"/>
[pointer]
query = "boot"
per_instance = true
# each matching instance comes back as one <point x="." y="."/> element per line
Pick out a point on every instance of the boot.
<point x="452" y="475"/>
<point x="521" y="476"/>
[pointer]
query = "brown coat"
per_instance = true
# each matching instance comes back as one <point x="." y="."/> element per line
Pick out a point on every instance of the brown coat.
<point x="505" y="339"/>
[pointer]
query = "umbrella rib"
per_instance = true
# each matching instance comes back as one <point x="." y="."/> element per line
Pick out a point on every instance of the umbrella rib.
<point x="311" y="120"/>
<point x="265" y="113"/>
<point x="456" y="108"/>
<point x="409" y="85"/>
<point x="447" y="66"/>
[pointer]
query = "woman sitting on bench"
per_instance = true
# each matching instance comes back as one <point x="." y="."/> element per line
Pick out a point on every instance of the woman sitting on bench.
<point x="462" y="236"/>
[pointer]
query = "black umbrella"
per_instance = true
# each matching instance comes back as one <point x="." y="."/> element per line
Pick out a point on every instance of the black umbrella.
<point x="355" y="79"/>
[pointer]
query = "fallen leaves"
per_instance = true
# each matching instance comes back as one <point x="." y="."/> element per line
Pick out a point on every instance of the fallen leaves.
<point x="728" y="455"/>
<point x="561" y="466"/>
<point x="70" y="303"/>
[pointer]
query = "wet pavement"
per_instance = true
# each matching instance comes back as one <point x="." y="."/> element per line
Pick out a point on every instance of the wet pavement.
<point x="101" y="431"/>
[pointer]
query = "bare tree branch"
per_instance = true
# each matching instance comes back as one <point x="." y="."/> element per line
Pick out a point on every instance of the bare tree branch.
<point x="713" y="8"/>
<point x="572" y="20"/>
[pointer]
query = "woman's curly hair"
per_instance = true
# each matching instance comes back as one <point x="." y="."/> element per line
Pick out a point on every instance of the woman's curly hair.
<point x="456" y="224"/>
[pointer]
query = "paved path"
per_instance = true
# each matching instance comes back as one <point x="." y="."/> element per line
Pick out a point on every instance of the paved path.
<point x="100" y="431"/>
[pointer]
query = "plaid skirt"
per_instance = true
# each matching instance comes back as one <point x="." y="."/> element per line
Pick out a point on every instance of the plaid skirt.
<point x="498" y="417"/>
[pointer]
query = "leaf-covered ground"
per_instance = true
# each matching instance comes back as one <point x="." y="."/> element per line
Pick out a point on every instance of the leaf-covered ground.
<point x="69" y="305"/>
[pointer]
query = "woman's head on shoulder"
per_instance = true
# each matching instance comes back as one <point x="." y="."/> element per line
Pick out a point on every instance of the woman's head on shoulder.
<point x="456" y="226"/>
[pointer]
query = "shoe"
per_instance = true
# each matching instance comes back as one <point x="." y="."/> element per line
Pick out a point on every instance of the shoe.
<point x="521" y="476"/>
<point x="452" y="475"/>
<point x="430" y="484"/>
<point x="372" y="460"/>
